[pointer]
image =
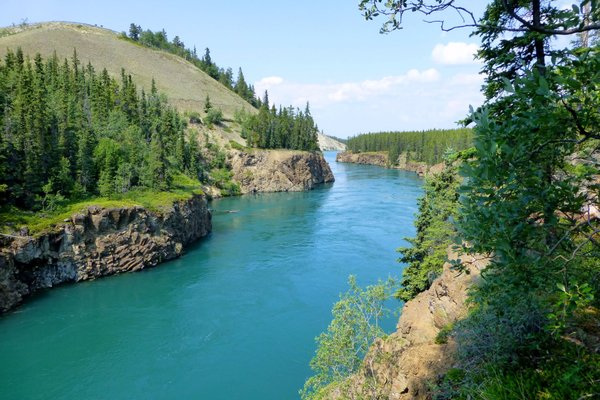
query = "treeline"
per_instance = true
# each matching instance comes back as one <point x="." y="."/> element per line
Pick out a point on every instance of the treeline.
<point x="434" y="223"/>
<point x="423" y="146"/>
<point x="159" y="40"/>
<point x="71" y="132"/>
<point x="286" y="128"/>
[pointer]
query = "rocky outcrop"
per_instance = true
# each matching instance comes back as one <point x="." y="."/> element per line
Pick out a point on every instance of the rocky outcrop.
<point x="327" y="143"/>
<point x="371" y="158"/>
<point x="380" y="159"/>
<point x="278" y="170"/>
<point x="98" y="242"/>
<point x="404" y="364"/>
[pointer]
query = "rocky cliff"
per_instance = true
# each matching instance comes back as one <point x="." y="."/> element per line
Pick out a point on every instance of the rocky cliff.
<point x="278" y="170"/>
<point x="381" y="159"/>
<point x="98" y="242"/>
<point x="406" y="363"/>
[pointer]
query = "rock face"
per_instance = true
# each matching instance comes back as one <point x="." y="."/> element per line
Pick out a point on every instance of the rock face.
<point x="402" y="365"/>
<point x="98" y="242"/>
<point x="381" y="159"/>
<point x="278" y="170"/>
<point x="327" y="143"/>
<point x="372" y="158"/>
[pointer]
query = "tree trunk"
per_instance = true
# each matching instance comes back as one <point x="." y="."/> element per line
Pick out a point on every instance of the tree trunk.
<point x="540" y="53"/>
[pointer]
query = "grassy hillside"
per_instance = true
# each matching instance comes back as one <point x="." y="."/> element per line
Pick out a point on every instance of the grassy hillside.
<point x="185" y="85"/>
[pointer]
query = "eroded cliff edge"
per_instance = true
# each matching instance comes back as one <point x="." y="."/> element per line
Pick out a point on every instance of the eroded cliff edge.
<point x="381" y="159"/>
<point x="405" y="364"/>
<point x="98" y="242"/>
<point x="278" y="170"/>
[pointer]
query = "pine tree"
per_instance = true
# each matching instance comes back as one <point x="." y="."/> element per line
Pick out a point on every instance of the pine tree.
<point x="241" y="87"/>
<point x="134" y="32"/>
<point x="207" y="104"/>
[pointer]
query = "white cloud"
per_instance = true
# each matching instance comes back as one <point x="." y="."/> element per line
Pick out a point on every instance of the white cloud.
<point x="323" y="94"/>
<point x="416" y="99"/>
<point x="269" y="81"/>
<point x="454" y="53"/>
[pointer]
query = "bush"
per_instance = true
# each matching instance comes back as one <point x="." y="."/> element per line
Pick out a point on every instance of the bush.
<point x="194" y="117"/>
<point x="222" y="179"/>
<point x="354" y="327"/>
<point x="499" y="335"/>
<point x="213" y="117"/>
<point x="444" y="334"/>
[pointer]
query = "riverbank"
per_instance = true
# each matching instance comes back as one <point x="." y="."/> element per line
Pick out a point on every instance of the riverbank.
<point x="380" y="158"/>
<point x="97" y="242"/>
<point x="243" y="306"/>
<point x="408" y="363"/>
<point x="258" y="170"/>
<point x="103" y="237"/>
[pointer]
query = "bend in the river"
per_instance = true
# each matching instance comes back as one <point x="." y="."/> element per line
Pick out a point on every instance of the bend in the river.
<point x="234" y="318"/>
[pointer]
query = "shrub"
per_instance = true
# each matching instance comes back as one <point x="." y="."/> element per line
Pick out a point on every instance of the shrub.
<point x="213" y="117"/>
<point x="194" y="117"/>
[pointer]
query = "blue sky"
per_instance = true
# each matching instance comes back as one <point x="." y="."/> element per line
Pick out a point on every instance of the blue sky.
<point x="324" y="52"/>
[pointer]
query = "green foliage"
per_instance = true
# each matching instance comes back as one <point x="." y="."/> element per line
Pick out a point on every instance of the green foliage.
<point x="38" y="222"/>
<point x="283" y="129"/>
<point x="69" y="132"/>
<point x="354" y="327"/>
<point x="222" y="179"/>
<point x="444" y="334"/>
<point x="567" y="304"/>
<point x="435" y="232"/>
<point x="559" y="370"/>
<point x="425" y="146"/>
<point x="207" y="104"/>
<point x="521" y="204"/>
<point x="213" y="117"/>
<point x="525" y="198"/>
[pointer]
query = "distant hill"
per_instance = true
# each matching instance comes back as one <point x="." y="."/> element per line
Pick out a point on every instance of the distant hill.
<point x="329" y="143"/>
<point x="185" y="85"/>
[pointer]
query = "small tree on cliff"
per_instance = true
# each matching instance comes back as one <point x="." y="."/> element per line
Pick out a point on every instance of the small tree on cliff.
<point x="355" y="325"/>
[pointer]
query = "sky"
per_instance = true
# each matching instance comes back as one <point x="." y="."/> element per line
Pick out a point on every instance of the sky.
<point x="324" y="52"/>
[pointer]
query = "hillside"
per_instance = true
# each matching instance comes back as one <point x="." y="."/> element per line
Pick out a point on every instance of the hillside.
<point x="185" y="85"/>
<point x="329" y="143"/>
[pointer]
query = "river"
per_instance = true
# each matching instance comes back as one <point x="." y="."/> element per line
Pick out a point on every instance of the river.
<point x="234" y="318"/>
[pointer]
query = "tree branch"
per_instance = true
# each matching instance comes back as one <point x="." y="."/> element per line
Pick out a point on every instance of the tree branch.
<point x="396" y="14"/>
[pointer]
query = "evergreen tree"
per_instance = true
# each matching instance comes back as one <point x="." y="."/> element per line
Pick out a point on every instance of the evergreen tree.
<point x="207" y="104"/>
<point x="241" y="87"/>
<point x="134" y="32"/>
<point x="68" y="131"/>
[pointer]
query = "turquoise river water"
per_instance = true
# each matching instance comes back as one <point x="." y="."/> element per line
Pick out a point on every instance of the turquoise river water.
<point x="234" y="318"/>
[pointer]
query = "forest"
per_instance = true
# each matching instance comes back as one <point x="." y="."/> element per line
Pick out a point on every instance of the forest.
<point x="423" y="146"/>
<point x="70" y="132"/>
<point x="159" y="40"/>
<point x="286" y="128"/>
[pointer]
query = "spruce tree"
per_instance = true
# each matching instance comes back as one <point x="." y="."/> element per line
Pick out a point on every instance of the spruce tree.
<point x="207" y="104"/>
